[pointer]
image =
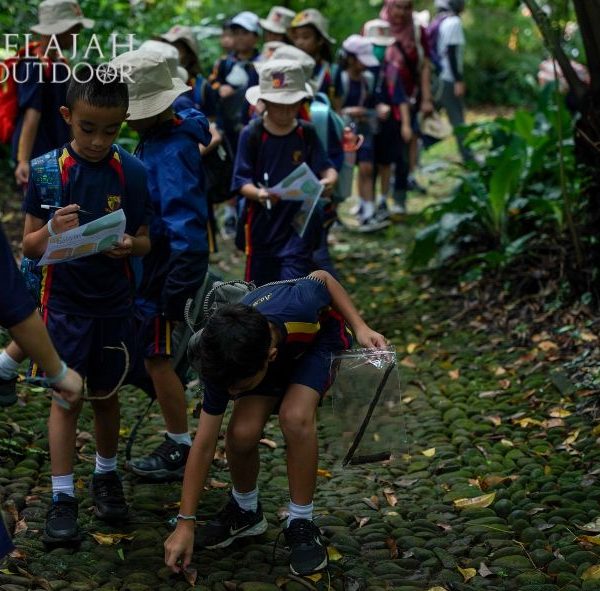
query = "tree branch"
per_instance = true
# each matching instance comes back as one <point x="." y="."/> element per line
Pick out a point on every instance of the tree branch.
<point x="588" y="17"/>
<point x="552" y="42"/>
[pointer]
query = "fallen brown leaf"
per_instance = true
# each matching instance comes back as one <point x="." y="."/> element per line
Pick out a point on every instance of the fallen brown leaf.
<point x="190" y="574"/>
<point x="475" y="502"/>
<point x="393" y="547"/>
<point x="268" y="442"/>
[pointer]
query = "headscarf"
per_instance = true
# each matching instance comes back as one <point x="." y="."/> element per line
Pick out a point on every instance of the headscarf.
<point x="404" y="34"/>
<point x="441" y="5"/>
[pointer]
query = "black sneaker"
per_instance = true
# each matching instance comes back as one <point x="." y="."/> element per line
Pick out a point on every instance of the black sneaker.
<point x="107" y="495"/>
<point x="231" y="522"/>
<point x="413" y="185"/>
<point x="229" y="227"/>
<point x="372" y="224"/>
<point x="8" y="392"/>
<point x="166" y="462"/>
<point x="61" y="521"/>
<point x="308" y="553"/>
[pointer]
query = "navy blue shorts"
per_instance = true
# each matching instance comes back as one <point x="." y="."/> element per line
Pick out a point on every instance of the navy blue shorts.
<point x="85" y="345"/>
<point x="387" y="142"/>
<point x="314" y="369"/>
<point x="262" y="269"/>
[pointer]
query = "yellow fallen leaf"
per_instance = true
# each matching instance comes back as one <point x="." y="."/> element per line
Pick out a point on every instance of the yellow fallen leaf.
<point x="124" y="431"/>
<point x="333" y="553"/>
<point x="315" y="578"/>
<point x="528" y="421"/>
<point x="594" y="540"/>
<point x="411" y="348"/>
<point x="572" y="438"/>
<point x="467" y="573"/>
<point x="454" y="374"/>
<point x="437" y="589"/>
<point x="507" y="443"/>
<point x="559" y="413"/>
<point x="499" y="372"/>
<point x="111" y="539"/>
<point x="547" y="345"/>
<point x="596" y="431"/>
<point x="587" y="336"/>
<point x="324" y="473"/>
<point x="475" y="502"/>
<point x="496" y="420"/>
<point x="190" y="574"/>
<point x="429" y="453"/>
<point x="407" y="399"/>
<point x="547" y="470"/>
<point x="591" y="574"/>
<point x="80" y="484"/>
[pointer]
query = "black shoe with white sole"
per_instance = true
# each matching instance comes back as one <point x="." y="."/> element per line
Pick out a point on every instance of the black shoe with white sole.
<point x="166" y="462"/>
<point x="308" y="553"/>
<point x="231" y="523"/>
<point x="108" y="499"/>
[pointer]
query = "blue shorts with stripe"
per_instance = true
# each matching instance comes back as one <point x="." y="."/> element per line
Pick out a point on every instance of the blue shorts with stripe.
<point x="156" y="336"/>
<point x="93" y="347"/>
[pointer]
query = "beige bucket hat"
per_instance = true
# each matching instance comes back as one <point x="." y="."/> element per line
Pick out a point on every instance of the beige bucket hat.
<point x="170" y="53"/>
<point x="289" y="52"/>
<point x="278" y="20"/>
<point x="280" y="81"/>
<point x="182" y="33"/>
<point x="58" y="16"/>
<point x="152" y="88"/>
<point x="311" y="16"/>
<point x="378" y="32"/>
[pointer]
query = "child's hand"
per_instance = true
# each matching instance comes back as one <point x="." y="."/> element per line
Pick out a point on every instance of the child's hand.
<point x="226" y="90"/>
<point x="406" y="133"/>
<point x="179" y="547"/>
<point x="263" y="195"/>
<point x="383" y="111"/>
<point x="370" y="339"/>
<point x="121" y="249"/>
<point x="328" y="187"/>
<point x="66" y="218"/>
<point x="69" y="388"/>
<point x="22" y="173"/>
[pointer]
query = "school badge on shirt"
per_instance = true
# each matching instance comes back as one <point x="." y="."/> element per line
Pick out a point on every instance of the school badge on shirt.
<point x="297" y="157"/>
<point x="113" y="202"/>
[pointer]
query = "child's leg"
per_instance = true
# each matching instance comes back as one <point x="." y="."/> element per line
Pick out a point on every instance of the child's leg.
<point x="62" y="427"/>
<point x="10" y="359"/>
<point x="169" y="392"/>
<point x="297" y="418"/>
<point x="245" y="430"/>
<point x="385" y="175"/>
<point x="365" y="180"/>
<point x="107" y="422"/>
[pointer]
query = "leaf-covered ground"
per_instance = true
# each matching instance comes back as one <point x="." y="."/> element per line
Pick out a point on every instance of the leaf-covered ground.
<point x="496" y="487"/>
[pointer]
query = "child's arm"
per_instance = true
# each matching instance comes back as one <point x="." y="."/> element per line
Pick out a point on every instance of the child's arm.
<point x="36" y="232"/>
<point x="31" y="123"/>
<point x="329" y="178"/>
<point x="406" y="129"/>
<point x="341" y="301"/>
<point x="180" y="544"/>
<point x="138" y="245"/>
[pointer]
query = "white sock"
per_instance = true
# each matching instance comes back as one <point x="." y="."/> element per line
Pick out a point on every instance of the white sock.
<point x="299" y="512"/>
<point x="8" y="366"/>
<point x="247" y="501"/>
<point x="104" y="465"/>
<point x="381" y="199"/>
<point x="368" y="209"/>
<point x="63" y="484"/>
<point x="181" y="438"/>
<point x="230" y="211"/>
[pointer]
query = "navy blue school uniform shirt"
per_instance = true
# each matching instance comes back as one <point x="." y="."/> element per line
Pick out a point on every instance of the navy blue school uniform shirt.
<point x="357" y="93"/>
<point x="46" y="97"/>
<point x="96" y="286"/>
<point x="15" y="302"/>
<point x="298" y="309"/>
<point x="278" y="156"/>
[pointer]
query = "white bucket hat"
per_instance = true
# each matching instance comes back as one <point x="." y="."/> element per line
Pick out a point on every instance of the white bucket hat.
<point x="58" y="16"/>
<point x="280" y="81"/>
<point x="246" y="20"/>
<point x="170" y="53"/>
<point x="362" y="48"/>
<point x="182" y="33"/>
<point x="278" y="20"/>
<point x="378" y="32"/>
<point x="152" y="88"/>
<point x="311" y="16"/>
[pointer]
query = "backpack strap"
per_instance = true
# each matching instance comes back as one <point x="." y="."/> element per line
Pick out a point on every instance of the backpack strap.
<point x="199" y="92"/>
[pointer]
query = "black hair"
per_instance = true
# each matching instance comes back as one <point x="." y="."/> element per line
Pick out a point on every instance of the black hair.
<point x="97" y="92"/>
<point x="190" y="62"/>
<point x="325" y="53"/>
<point x="234" y="345"/>
<point x="226" y="24"/>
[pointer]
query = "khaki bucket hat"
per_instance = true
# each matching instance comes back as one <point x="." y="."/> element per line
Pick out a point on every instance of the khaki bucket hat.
<point x="182" y="33"/>
<point x="152" y="88"/>
<point x="280" y="81"/>
<point x="311" y="16"/>
<point x="278" y="20"/>
<point x="379" y="32"/>
<point x="170" y="53"/>
<point x="58" y="16"/>
<point x="289" y="52"/>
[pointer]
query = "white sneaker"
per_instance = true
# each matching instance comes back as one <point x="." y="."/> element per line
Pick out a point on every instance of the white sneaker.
<point x="372" y="224"/>
<point x="397" y="209"/>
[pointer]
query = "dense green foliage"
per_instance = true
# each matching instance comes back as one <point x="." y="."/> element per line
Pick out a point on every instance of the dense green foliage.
<point x="510" y="201"/>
